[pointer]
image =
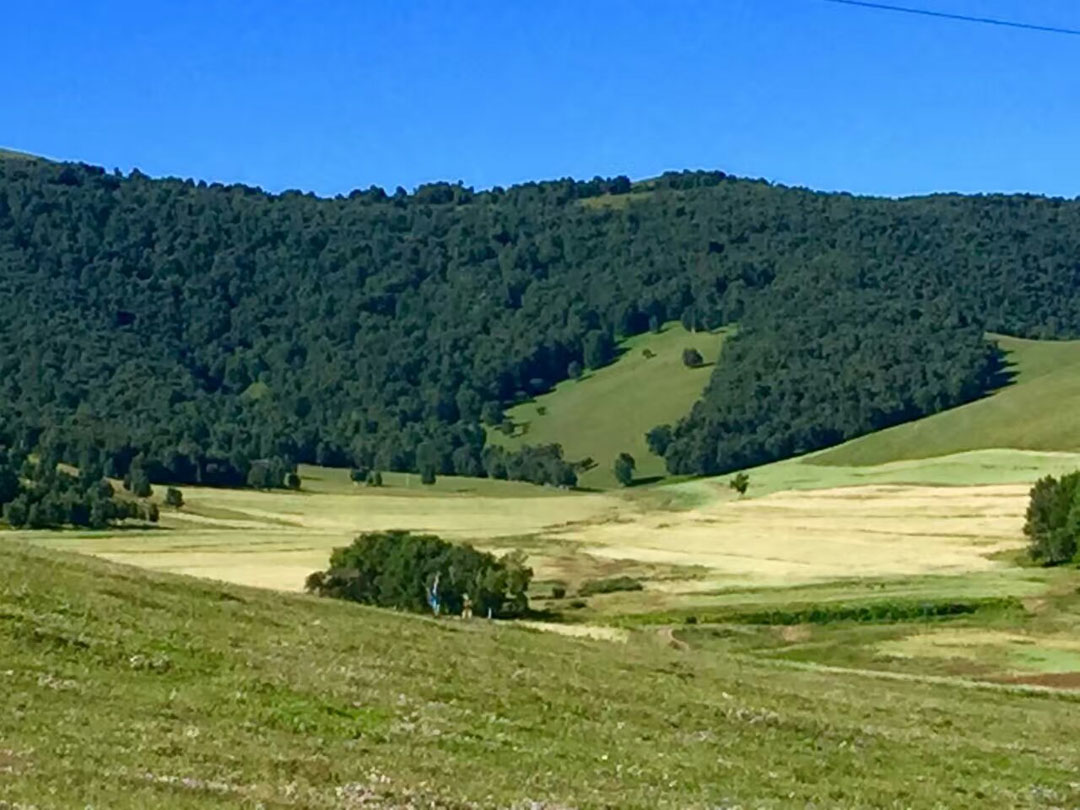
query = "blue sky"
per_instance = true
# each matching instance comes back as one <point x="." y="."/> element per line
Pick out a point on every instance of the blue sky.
<point x="330" y="96"/>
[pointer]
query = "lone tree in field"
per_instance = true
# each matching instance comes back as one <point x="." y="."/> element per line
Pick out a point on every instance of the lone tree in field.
<point x="396" y="569"/>
<point x="1053" y="519"/>
<point x="624" y="469"/>
<point x="374" y="479"/>
<point x="692" y="358"/>
<point x="174" y="498"/>
<point x="740" y="483"/>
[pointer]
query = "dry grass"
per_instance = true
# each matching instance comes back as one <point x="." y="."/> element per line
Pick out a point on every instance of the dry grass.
<point x="786" y="538"/>
<point x="793" y="537"/>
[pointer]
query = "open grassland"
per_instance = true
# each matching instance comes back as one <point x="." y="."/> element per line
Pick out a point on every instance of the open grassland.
<point x="691" y="543"/>
<point x="608" y="411"/>
<point x="1023" y="630"/>
<point x="1035" y="412"/>
<point x="129" y="689"/>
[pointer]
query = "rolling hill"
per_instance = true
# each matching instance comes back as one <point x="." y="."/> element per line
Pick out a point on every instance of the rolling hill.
<point x="1037" y="411"/>
<point x="219" y="335"/>
<point x="126" y="689"/>
<point x="608" y="411"/>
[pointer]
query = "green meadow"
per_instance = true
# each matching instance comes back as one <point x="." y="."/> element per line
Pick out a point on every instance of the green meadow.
<point x="1036" y="411"/>
<point x="129" y="689"/>
<point x="608" y="411"/>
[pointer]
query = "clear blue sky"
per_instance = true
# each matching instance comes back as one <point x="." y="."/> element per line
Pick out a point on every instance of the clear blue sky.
<point x="330" y="96"/>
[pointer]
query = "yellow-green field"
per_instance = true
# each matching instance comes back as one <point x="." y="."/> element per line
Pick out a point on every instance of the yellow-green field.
<point x="126" y="689"/>
<point x="608" y="411"/>
<point x="799" y="523"/>
<point x="1036" y="412"/>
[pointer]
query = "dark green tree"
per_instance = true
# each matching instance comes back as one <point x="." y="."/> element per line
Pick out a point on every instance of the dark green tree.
<point x="624" y="469"/>
<point x="740" y="483"/>
<point x="692" y="358"/>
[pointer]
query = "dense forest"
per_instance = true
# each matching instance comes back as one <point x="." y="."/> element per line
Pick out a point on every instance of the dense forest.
<point x="206" y="329"/>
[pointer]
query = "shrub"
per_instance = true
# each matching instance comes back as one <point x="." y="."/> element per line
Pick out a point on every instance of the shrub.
<point x="174" y="498"/>
<point x="740" y="483"/>
<point x="558" y="590"/>
<point x="624" y="469"/>
<point x="594" y="586"/>
<point x="692" y="358"/>
<point x="396" y="569"/>
<point x="374" y="479"/>
<point x="1053" y="519"/>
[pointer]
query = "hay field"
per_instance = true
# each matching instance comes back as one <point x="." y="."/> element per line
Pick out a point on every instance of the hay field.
<point x="688" y="541"/>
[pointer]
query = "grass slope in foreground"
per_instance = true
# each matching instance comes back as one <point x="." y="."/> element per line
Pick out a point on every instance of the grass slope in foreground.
<point x="1036" y="412"/>
<point x="126" y="689"/>
<point x="608" y="411"/>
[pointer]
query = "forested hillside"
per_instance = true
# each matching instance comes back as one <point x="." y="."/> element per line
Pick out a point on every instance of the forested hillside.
<point x="205" y="327"/>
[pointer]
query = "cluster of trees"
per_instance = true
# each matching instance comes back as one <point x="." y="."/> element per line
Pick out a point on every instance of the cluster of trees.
<point x="1053" y="519"/>
<point x="39" y="494"/>
<point x="213" y="329"/>
<point x="398" y="569"/>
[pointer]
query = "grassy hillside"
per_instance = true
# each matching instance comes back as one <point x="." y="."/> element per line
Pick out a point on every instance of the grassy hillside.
<point x="125" y="689"/>
<point x="608" y="411"/>
<point x="1036" y="412"/>
<point x="12" y="154"/>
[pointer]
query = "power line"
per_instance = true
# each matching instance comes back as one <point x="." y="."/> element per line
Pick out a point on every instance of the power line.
<point x="962" y="17"/>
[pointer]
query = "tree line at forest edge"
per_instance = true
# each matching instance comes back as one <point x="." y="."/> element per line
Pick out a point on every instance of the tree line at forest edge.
<point x="211" y="329"/>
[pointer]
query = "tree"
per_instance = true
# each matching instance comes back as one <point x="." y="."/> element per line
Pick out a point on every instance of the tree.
<point x="599" y="348"/>
<point x="427" y="459"/>
<point x="16" y="512"/>
<point x="374" y="479"/>
<point x="624" y="469"/>
<point x="358" y="474"/>
<point x="259" y="476"/>
<point x="292" y="481"/>
<point x="658" y="439"/>
<point x="491" y="414"/>
<point x="396" y="569"/>
<point x="174" y="498"/>
<point x="1053" y="519"/>
<point x="740" y="483"/>
<point x="573" y="370"/>
<point x="692" y="358"/>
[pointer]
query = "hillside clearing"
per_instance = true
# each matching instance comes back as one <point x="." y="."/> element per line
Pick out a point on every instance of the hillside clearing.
<point x="609" y="411"/>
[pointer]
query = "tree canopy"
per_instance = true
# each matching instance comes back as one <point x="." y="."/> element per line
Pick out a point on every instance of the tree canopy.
<point x="214" y="330"/>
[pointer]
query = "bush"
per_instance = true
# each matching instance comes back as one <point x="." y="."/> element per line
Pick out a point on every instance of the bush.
<point x="374" y="479"/>
<point x="594" y="586"/>
<point x="740" y="483"/>
<point x="174" y="498"/>
<point x="558" y="590"/>
<point x="624" y="469"/>
<point x="1053" y="519"/>
<point x="692" y="358"/>
<point x="397" y="569"/>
